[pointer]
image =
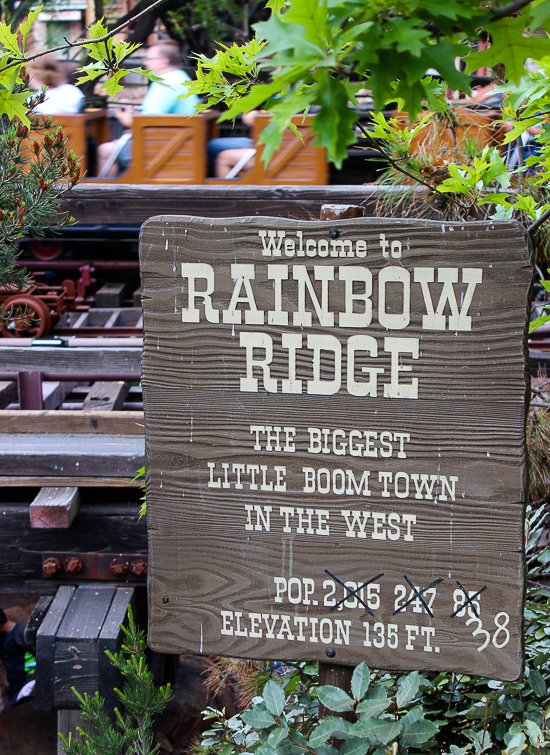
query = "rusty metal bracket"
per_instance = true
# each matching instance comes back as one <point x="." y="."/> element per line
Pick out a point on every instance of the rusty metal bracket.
<point x="119" y="567"/>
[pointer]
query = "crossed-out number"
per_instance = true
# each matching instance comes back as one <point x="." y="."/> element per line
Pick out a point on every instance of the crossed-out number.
<point x="418" y="594"/>
<point x="353" y="593"/>
<point x="469" y="600"/>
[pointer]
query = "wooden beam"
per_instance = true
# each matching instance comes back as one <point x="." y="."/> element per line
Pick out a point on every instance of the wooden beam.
<point x="126" y="203"/>
<point x="99" y="527"/>
<point x="106" y="396"/>
<point x="45" y="648"/>
<point x="71" y="455"/>
<point x="29" y="481"/>
<point x="111" y="295"/>
<point x="54" y="393"/>
<point x="80" y="359"/>
<point x="36" y="618"/>
<point x="74" y="421"/>
<point x="55" y="508"/>
<point x="8" y="393"/>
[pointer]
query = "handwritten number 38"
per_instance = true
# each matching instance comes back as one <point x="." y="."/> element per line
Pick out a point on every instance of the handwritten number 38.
<point x="501" y="621"/>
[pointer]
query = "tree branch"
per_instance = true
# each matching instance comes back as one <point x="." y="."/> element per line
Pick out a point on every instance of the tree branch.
<point x="509" y="9"/>
<point x="533" y="228"/>
<point x="81" y="42"/>
<point x="395" y="164"/>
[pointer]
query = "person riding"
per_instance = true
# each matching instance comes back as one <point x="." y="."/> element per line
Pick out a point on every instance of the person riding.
<point x="164" y="60"/>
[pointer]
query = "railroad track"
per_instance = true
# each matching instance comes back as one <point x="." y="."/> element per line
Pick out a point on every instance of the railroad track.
<point x="122" y="322"/>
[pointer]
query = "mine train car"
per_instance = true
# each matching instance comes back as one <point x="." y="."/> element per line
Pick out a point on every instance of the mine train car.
<point x="86" y="277"/>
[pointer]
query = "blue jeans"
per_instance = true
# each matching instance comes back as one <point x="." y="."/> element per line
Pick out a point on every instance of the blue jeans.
<point x="215" y="146"/>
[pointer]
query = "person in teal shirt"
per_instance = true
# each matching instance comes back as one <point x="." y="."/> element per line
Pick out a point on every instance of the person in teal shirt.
<point x="163" y="59"/>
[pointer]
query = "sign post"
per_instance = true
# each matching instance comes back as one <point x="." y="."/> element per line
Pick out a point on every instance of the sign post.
<point x="335" y="438"/>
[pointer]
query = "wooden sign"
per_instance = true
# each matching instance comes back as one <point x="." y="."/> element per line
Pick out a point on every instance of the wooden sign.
<point x="335" y="438"/>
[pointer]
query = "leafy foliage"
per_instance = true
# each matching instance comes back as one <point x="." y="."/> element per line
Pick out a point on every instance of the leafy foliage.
<point x="132" y="733"/>
<point x="319" y="53"/>
<point x="36" y="168"/>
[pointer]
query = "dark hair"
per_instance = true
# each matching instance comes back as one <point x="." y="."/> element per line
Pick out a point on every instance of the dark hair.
<point x="169" y="49"/>
<point x="3" y="617"/>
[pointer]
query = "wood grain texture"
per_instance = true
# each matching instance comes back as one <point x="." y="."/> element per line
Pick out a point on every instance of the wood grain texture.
<point x="8" y="393"/>
<point x="54" y="508"/>
<point x="102" y="527"/>
<point x="82" y="482"/>
<point x="72" y="360"/>
<point x="71" y="421"/>
<point x="111" y="638"/>
<point x="45" y="648"/>
<point x="70" y="455"/>
<point x="209" y="549"/>
<point x="105" y="396"/>
<point x="77" y="644"/>
<point x="126" y="203"/>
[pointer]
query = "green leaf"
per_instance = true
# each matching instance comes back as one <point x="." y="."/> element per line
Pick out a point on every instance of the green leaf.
<point x="112" y="84"/>
<point x="538" y="13"/>
<point x="9" y="40"/>
<point x="334" y="698"/>
<point x="274" y="698"/>
<point x="277" y="736"/>
<point x="381" y="728"/>
<point x="326" y="729"/>
<point x="25" y="27"/>
<point x="275" y="5"/>
<point x="13" y="104"/>
<point x="416" y="729"/>
<point x="516" y="745"/>
<point x="334" y="122"/>
<point x="257" y="718"/>
<point x="354" y="747"/>
<point x="407" y="689"/>
<point x="509" y="47"/>
<point x="536" y="737"/>
<point x="360" y="681"/>
<point x="374" y="703"/>
<point x="537" y="683"/>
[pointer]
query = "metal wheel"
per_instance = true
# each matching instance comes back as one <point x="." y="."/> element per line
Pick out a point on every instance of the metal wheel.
<point x="26" y="317"/>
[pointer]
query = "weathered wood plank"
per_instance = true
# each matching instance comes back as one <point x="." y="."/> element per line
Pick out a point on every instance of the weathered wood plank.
<point x="122" y="203"/>
<point x="83" y="359"/>
<point x="111" y="295"/>
<point x="262" y="442"/>
<point x="111" y="639"/>
<point x="45" y="648"/>
<point x="70" y="455"/>
<point x="53" y="393"/>
<point x="73" y="421"/>
<point x="106" y="396"/>
<point x="68" y="722"/>
<point x="36" y="618"/>
<point x="55" y="508"/>
<point x="8" y="393"/>
<point x="81" y="482"/>
<point x="107" y="528"/>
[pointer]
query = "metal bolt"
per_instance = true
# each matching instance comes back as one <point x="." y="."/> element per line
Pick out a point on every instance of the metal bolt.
<point x="165" y="599"/>
<point x="73" y="565"/>
<point x="333" y="233"/>
<point x="118" y="567"/>
<point x="138" y="568"/>
<point x="51" y="566"/>
<point x="331" y="652"/>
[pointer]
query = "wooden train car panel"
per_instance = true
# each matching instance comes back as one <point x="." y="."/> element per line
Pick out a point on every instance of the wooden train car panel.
<point x="295" y="162"/>
<point x="78" y="128"/>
